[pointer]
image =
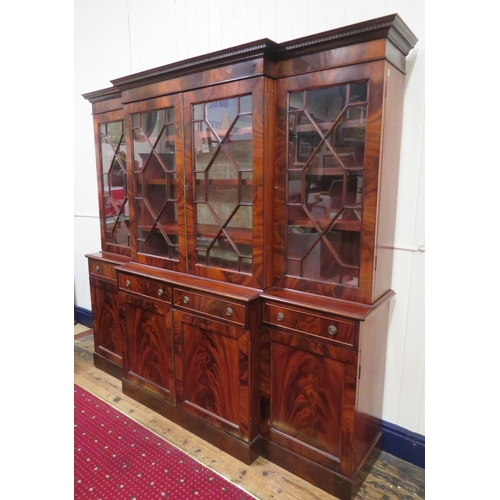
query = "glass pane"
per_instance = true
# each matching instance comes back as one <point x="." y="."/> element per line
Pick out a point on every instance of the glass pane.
<point x="295" y="185"/>
<point x="296" y="100"/>
<point x="246" y="183"/>
<point x="238" y="143"/>
<point x="198" y="112"/>
<point x="246" y="104"/>
<point x="150" y="125"/>
<point x="108" y="154"/>
<point x="201" y="187"/>
<point x="115" y="131"/>
<point x="204" y="217"/>
<point x="242" y="217"/>
<point x="358" y="92"/>
<point x="205" y="145"/>
<point x="118" y="232"/>
<point x="348" y="137"/>
<point x="221" y="114"/>
<point x="325" y="105"/>
<point x="300" y="244"/>
<point x="169" y="115"/>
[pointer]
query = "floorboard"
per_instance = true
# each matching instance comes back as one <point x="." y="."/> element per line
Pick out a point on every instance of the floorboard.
<point x="390" y="478"/>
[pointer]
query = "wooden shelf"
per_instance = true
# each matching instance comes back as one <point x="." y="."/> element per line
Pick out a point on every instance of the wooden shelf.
<point x="225" y="183"/>
<point x="339" y="225"/>
<point x="155" y="182"/>
<point x="169" y="228"/>
<point x="238" y="235"/>
<point x="222" y="132"/>
<point x="326" y="126"/>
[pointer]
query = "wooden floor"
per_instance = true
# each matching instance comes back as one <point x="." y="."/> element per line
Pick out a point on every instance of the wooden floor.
<point x="390" y="478"/>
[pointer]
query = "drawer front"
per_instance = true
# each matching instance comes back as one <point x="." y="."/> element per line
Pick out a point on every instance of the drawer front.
<point x="143" y="286"/>
<point x="102" y="269"/>
<point x="217" y="308"/>
<point x="337" y="330"/>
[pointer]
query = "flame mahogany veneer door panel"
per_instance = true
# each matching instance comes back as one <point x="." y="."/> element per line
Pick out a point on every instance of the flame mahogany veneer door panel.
<point x="148" y="356"/>
<point x="313" y="388"/>
<point x="212" y="372"/>
<point x="106" y="321"/>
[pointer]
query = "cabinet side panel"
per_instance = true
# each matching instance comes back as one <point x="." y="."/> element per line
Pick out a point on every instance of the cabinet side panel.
<point x="371" y="371"/>
<point x="391" y="147"/>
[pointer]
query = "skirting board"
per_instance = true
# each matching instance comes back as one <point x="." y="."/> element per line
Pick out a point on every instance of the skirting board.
<point x="404" y="444"/>
<point x="397" y="441"/>
<point x="83" y="316"/>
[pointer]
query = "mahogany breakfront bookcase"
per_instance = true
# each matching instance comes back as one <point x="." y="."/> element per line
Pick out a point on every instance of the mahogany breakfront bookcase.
<point x="247" y="206"/>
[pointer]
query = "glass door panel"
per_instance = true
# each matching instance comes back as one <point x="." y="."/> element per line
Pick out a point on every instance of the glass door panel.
<point x="114" y="183"/>
<point x="223" y="173"/>
<point x="155" y="183"/>
<point x="326" y="145"/>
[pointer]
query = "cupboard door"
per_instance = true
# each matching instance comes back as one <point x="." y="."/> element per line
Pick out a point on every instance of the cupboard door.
<point x="312" y="399"/>
<point x="106" y="321"/>
<point x="148" y="355"/>
<point x="212" y="372"/>
<point x="112" y="182"/>
<point x="224" y="129"/>
<point x="158" y="180"/>
<point x="329" y="126"/>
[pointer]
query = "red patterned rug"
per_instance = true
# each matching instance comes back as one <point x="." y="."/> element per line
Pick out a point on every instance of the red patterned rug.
<point x="117" y="458"/>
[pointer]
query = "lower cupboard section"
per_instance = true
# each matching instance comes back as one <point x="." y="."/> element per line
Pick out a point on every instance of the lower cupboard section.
<point x="289" y="389"/>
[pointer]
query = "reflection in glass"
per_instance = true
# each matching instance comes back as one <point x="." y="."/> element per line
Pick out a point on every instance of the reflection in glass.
<point x="223" y="171"/>
<point x="325" y="162"/>
<point x="296" y="100"/>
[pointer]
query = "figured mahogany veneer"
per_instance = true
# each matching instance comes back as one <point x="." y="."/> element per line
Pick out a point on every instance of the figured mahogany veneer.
<point x="243" y="290"/>
<point x="108" y="333"/>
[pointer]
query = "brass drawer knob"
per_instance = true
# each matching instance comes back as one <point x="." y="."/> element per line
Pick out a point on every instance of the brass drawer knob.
<point x="229" y="312"/>
<point x="127" y="283"/>
<point x="160" y="292"/>
<point x="280" y="316"/>
<point x="332" y="330"/>
<point x="97" y="268"/>
<point x="185" y="299"/>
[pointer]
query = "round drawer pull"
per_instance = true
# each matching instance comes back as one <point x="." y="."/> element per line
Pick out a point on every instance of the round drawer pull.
<point x="185" y="299"/>
<point x="280" y="316"/>
<point x="127" y="283"/>
<point x="160" y="292"/>
<point x="229" y="312"/>
<point x="97" y="268"/>
<point x="332" y="330"/>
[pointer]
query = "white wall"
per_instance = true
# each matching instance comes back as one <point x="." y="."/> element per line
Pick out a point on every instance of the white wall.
<point x="116" y="38"/>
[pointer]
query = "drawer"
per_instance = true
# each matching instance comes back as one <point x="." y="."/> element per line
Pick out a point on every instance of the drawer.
<point x="336" y="330"/>
<point x="102" y="269"/>
<point x="210" y="305"/>
<point x="143" y="286"/>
